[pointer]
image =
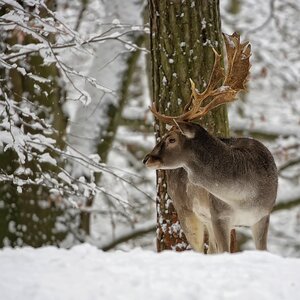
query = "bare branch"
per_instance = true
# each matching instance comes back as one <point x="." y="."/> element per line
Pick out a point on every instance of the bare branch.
<point x="140" y="230"/>
<point x="268" y="19"/>
<point x="288" y="164"/>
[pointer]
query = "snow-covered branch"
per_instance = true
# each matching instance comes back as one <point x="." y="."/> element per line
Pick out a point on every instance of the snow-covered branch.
<point x="34" y="31"/>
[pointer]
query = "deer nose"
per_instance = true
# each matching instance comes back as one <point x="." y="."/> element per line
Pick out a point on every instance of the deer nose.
<point x="146" y="158"/>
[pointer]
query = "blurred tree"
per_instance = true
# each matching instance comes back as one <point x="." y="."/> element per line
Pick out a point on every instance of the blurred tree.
<point x="182" y="36"/>
<point x="114" y="113"/>
<point x="29" y="215"/>
<point x="95" y="125"/>
<point x="40" y="172"/>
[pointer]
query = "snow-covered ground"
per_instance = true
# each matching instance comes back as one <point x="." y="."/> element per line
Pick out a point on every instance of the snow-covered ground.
<point x="86" y="273"/>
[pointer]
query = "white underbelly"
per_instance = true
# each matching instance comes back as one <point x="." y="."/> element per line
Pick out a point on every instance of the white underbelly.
<point x="246" y="217"/>
<point x="238" y="197"/>
<point x="234" y="195"/>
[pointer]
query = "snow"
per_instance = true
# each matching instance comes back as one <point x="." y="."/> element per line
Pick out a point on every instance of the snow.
<point x="84" y="272"/>
<point x="270" y="108"/>
<point x="64" y="177"/>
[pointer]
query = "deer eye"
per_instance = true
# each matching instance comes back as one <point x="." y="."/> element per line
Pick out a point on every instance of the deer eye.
<point x="172" y="140"/>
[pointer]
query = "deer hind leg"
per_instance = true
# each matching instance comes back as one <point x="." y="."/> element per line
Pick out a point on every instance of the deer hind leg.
<point x="193" y="229"/>
<point x="260" y="233"/>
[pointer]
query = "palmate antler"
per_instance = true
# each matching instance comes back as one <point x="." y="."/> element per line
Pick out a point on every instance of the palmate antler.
<point x="221" y="88"/>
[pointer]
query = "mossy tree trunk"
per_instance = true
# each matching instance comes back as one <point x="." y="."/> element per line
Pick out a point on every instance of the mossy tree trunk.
<point x="30" y="217"/>
<point x="182" y="36"/>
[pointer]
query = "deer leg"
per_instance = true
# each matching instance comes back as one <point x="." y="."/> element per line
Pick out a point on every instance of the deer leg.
<point x="221" y="225"/>
<point x="193" y="229"/>
<point x="212" y="246"/>
<point x="221" y="230"/>
<point x="260" y="233"/>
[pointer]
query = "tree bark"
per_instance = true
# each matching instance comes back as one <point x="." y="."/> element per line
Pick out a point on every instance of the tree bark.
<point x="30" y="218"/>
<point x="183" y="34"/>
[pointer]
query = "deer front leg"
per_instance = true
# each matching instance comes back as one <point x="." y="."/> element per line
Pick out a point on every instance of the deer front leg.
<point x="193" y="229"/>
<point x="212" y="246"/>
<point x="260" y="233"/>
<point x="221" y="223"/>
<point x="221" y="228"/>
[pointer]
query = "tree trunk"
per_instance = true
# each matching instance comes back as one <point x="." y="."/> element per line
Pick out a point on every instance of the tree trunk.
<point x="30" y="218"/>
<point x="95" y="125"/>
<point x="114" y="113"/>
<point x="182" y="36"/>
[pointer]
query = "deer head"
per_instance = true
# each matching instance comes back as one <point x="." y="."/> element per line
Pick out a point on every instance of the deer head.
<point x="221" y="88"/>
<point x="170" y="152"/>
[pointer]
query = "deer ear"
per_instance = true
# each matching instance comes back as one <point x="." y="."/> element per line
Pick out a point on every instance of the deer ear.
<point x="186" y="129"/>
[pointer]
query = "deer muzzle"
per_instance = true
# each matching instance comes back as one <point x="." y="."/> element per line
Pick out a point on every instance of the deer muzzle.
<point x="146" y="159"/>
<point x="152" y="161"/>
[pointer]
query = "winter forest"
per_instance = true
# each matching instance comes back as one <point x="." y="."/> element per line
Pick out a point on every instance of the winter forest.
<point x="77" y="205"/>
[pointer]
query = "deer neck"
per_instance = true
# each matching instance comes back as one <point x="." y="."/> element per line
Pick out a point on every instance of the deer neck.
<point x="205" y="164"/>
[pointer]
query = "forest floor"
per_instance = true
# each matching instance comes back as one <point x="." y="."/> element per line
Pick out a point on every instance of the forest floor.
<point x="86" y="273"/>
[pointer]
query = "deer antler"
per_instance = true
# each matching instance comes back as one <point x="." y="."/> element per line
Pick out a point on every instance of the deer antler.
<point x="233" y="81"/>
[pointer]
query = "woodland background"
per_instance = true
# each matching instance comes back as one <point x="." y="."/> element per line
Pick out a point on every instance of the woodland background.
<point x="74" y="122"/>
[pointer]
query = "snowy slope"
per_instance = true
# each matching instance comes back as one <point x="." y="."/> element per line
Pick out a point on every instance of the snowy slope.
<point x="87" y="273"/>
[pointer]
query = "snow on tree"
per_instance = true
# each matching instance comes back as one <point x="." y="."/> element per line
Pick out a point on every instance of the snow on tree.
<point x="37" y="87"/>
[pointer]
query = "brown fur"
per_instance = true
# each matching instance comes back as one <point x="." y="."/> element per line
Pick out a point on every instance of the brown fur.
<point x="221" y="183"/>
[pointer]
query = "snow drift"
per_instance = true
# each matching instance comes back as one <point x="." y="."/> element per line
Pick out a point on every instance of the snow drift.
<point x="84" y="272"/>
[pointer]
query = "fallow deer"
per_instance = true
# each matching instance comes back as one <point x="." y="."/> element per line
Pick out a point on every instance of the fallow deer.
<point x="219" y="182"/>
